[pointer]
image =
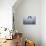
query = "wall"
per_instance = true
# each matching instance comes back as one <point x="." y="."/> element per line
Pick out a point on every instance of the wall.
<point x="6" y="13"/>
<point x="29" y="8"/>
<point x="43" y="22"/>
<point x="6" y="18"/>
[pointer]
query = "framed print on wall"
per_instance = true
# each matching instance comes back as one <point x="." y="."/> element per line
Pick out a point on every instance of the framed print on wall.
<point x="29" y="20"/>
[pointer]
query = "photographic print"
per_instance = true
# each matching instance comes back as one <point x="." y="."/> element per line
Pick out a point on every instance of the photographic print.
<point x="29" y="20"/>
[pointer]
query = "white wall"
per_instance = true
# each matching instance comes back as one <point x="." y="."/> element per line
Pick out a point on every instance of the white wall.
<point x="26" y="9"/>
<point x="6" y="13"/>
<point x="29" y="8"/>
<point x="43" y="22"/>
<point x="6" y="18"/>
